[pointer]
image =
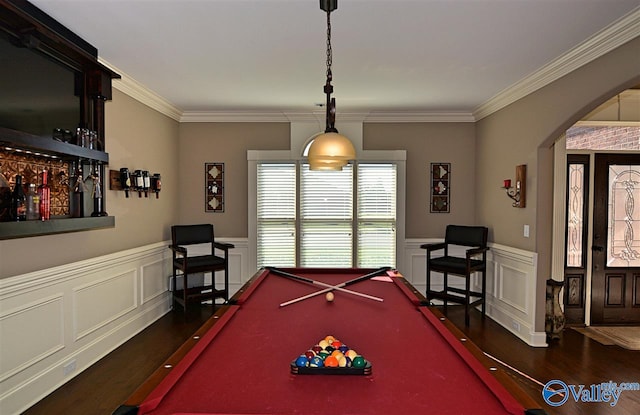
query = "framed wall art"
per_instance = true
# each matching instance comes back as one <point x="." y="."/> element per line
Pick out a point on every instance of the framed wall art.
<point x="440" y="187"/>
<point x="214" y="187"/>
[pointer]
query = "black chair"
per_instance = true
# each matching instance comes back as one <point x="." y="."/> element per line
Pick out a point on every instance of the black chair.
<point x="183" y="265"/>
<point x="475" y="260"/>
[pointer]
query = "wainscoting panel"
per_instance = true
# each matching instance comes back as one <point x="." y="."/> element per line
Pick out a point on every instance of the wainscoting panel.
<point x="93" y="310"/>
<point x="43" y="339"/>
<point x="56" y="322"/>
<point x="510" y="292"/>
<point x="511" y="285"/>
<point x="151" y="287"/>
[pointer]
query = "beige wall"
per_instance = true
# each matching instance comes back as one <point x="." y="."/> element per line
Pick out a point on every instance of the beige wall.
<point x="138" y="138"/>
<point x="428" y="143"/>
<point x="425" y="143"/>
<point x="523" y="133"/>
<point x="222" y="143"/>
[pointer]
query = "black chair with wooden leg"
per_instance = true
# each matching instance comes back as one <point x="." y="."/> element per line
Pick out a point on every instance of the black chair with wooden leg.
<point x="184" y="264"/>
<point x="474" y="261"/>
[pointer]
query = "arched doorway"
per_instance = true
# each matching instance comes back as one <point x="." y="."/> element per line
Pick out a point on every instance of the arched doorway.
<point x="598" y="239"/>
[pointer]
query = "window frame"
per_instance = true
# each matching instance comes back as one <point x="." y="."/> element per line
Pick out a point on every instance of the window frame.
<point x="369" y="156"/>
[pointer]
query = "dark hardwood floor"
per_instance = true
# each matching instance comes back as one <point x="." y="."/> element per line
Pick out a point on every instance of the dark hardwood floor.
<point x="575" y="359"/>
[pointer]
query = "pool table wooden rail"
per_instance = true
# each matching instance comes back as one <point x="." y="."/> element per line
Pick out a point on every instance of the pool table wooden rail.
<point x="130" y="406"/>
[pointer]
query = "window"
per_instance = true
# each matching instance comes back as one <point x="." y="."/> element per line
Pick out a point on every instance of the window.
<point x="317" y="219"/>
<point x="276" y="211"/>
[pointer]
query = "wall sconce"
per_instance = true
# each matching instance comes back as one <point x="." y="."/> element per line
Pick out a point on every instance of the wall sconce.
<point x="519" y="192"/>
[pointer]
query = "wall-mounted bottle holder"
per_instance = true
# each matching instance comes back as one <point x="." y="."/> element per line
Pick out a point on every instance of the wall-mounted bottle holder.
<point x="135" y="181"/>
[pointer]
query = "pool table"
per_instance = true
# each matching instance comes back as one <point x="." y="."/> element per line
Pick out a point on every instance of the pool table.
<point x="239" y="362"/>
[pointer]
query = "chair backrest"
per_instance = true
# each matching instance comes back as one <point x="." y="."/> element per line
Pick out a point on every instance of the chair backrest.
<point x="191" y="234"/>
<point x="466" y="235"/>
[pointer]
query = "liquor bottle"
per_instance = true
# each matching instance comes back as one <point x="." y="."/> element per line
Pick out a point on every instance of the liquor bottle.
<point x="77" y="194"/>
<point x="98" y="208"/>
<point x="5" y="199"/>
<point x="33" y="203"/>
<point x="18" y="202"/>
<point x="44" y="191"/>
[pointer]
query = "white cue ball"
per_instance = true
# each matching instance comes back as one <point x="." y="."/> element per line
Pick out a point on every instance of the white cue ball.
<point x="329" y="296"/>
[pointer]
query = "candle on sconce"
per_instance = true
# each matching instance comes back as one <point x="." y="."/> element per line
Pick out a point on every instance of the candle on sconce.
<point x="507" y="183"/>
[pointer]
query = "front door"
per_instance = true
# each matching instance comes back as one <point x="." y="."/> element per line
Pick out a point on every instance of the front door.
<point x="615" y="290"/>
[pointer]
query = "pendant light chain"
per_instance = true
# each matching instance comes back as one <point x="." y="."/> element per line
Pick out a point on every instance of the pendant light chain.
<point x="329" y="51"/>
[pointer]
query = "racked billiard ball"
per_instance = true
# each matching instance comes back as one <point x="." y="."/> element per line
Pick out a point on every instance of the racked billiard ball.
<point x="302" y="361"/>
<point x="359" y="361"/>
<point x="316" y="361"/>
<point x="331" y="361"/>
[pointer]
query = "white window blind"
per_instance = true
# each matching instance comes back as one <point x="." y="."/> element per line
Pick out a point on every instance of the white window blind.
<point x="276" y="210"/>
<point x="376" y="214"/>
<point x="326" y="217"/>
<point x="338" y="226"/>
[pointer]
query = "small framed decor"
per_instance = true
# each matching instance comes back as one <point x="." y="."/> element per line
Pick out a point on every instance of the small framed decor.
<point x="440" y="187"/>
<point x="214" y="187"/>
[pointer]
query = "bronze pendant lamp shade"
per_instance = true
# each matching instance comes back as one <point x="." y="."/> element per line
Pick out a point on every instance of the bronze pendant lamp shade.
<point x="330" y="150"/>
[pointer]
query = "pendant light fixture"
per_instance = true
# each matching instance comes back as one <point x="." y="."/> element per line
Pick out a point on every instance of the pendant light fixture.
<point x="330" y="150"/>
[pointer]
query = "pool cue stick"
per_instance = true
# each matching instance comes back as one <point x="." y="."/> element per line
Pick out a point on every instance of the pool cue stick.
<point x="310" y="281"/>
<point x="517" y="371"/>
<point x="331" y="287"/>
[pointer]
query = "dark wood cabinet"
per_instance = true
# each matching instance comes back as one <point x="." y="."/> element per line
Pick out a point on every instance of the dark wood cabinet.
<point x="73" y="86"/>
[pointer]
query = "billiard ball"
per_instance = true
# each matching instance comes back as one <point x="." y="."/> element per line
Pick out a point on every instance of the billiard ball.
<point x="309" y="354"/>
<point x="342" y="361"/>
<point x="316" y="362"/>
<point x="329" y="296"/>
<point x="302" y="361"/>
<point x="331" y="361"/>
<point x="359" y="361"/>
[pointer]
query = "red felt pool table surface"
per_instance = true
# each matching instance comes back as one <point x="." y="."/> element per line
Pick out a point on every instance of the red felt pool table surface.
<point x="239" y="363"/>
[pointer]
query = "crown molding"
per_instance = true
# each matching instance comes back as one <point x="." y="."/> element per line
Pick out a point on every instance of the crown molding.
<point x="418" y="117"/>
<point x="617" y="34"/>
<point x="233" y="116"/>
<point x="141" y="93"/>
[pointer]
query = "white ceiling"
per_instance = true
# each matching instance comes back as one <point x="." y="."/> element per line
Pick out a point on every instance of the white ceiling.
<point x="443" y="56"/>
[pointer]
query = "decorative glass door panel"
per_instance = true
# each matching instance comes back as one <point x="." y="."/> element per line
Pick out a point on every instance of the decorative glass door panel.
<point x="623" y="228"/>
<point x="615" y="288"/>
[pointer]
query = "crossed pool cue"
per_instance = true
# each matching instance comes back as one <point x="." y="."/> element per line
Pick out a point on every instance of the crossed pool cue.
<point x="329" y="287"/>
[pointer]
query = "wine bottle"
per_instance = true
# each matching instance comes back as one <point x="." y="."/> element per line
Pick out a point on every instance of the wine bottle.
<point x="18" y="202"/>
<point x="44" y="192"/>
